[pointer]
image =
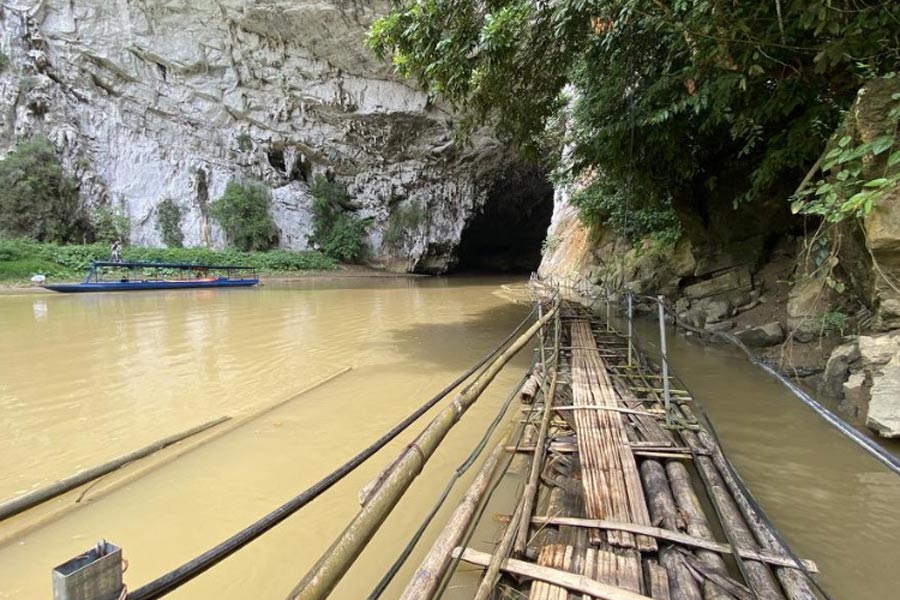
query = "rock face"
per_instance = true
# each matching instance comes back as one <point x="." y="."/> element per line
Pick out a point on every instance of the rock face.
<point x="866" y="372"/>
<point x="160" y="99"/>
<point x="870" y="118"/>
<point x="884" y="404"/>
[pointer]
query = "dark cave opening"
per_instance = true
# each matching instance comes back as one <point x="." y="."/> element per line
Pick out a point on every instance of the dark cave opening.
<point x="507" y="234"/>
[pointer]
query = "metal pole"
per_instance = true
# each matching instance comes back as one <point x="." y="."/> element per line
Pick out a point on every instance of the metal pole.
<point x="608" y="327"/>
<point x="665" y="359"/>
<point x="541" y="341"/>
<point x="630" y="316"/>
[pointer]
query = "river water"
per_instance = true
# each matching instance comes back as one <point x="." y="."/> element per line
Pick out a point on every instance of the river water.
<point x="86" y="378"/>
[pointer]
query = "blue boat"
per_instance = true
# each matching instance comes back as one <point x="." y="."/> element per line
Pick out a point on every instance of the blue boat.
<point x="136" y="276"/>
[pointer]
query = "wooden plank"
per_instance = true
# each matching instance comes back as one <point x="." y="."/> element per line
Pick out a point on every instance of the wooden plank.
<point x="673" y="536"/>
<point x="570" y="581"/>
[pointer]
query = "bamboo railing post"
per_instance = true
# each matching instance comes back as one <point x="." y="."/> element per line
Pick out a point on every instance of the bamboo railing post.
<point x="667" y="394"/>
<point x="331" y="566"/>
<point x="537" y="463"/>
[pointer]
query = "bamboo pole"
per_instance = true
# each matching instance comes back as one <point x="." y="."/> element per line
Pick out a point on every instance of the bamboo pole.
<point x="795" y="583"/>
<point x="530" y="493"/>
<point x="325" y="574"/>
<point x="682" y="585"/>
<point x="696" y="524"/>
<point x="758" y="575"/>
<point x="489" y="578"/>
<point x="427" y="579"/>
<point x="23" y="503"/>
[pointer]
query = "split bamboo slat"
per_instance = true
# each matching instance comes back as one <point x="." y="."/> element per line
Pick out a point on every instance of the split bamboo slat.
<point x="612" y="487"/>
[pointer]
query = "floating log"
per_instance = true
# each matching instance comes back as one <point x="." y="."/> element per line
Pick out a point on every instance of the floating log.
<point x="23" y="503"/>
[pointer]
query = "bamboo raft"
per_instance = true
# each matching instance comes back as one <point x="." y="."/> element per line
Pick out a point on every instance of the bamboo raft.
<point x="621" y="500"/>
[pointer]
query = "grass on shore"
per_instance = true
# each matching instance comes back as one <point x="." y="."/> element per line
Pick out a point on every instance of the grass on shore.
<point x="20" y="259"/>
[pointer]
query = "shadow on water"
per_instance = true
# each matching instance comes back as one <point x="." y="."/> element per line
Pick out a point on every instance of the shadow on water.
<point x="438" y="343"/>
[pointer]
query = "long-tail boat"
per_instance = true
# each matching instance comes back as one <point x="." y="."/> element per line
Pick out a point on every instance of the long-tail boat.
<point x="112" y="276"/>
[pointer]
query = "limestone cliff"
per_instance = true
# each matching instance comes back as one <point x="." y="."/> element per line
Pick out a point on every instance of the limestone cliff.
<point x="170" y="99"/>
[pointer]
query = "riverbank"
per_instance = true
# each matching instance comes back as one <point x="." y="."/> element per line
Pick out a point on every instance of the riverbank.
<point x="20" y="260"/>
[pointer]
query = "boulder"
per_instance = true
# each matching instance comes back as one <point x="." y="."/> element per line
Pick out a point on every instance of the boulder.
<point x="838" y="369"/>
<point x="737" y="279"/>
<point x="884" y="405"/>
<point x="877" y="350"/>
<point x="808" y="300"/>
<point x="715" y="309"/>
<point x="762" y="335"/>
<point x="855" y="394"/>
<point x="683" y="261"/>
<point x="720" y="327"/>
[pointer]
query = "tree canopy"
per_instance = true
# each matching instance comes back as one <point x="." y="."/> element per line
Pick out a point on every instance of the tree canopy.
<point x="692" y="103"/>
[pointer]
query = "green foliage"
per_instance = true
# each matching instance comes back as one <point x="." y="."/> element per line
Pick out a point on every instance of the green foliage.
<point x="550" y="244"/>
<point x="19" y="259"/>
<point x="695" y="104"/>
<point x="834" y="322"/>
<point x="846" y="189"/>
<point x="4" y="61"/>
<point x="244" y="142"/>
<point x="403" y="223"/>
<point x="336" y="229"/>
<point x="602" y="203"/>
<point x="243" y="213"/>
<point x="110" y="224"/>
<point x="168" y="222"/>
<point x="37" y="200"/>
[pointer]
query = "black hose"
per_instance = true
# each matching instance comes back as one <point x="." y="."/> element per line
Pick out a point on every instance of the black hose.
<point x="191" y="569"/>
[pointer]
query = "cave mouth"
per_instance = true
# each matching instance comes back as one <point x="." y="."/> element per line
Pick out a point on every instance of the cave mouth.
<point x="507" y="234"/>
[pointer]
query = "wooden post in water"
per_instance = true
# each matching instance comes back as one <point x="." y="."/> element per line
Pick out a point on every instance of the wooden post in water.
<point x="331" y="567"/>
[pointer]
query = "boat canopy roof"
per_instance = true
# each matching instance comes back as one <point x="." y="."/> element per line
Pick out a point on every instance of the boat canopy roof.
<point x="163" y="265"/>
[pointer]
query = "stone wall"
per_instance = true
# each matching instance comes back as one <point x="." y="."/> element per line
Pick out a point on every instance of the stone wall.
<point x="163" y="98"/>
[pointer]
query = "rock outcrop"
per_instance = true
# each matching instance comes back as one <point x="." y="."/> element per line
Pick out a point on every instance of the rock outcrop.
<point x="159" y="99"/>
<point x="865" y="374"/>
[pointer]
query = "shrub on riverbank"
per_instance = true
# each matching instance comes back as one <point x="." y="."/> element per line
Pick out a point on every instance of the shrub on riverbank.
<point x="243" y="213"/>
<point x="37" y="199"/>
<point x="336" y="228"/>
<point x="19" y="259"/>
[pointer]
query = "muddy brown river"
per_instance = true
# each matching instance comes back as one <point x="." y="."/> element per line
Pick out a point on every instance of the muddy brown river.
<point x="86" y="378"/>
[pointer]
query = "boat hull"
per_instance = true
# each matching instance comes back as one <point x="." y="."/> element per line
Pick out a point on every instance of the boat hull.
<point x="136" y="286"/>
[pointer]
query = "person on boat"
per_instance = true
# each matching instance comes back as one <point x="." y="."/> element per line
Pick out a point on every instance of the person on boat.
<point x="116" y="251"/>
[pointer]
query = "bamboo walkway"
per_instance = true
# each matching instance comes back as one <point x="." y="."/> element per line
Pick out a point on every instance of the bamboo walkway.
<point x="627" y="503"/>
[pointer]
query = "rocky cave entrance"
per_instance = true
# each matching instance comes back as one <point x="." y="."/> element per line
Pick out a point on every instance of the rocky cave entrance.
<point x="507" y="234"/>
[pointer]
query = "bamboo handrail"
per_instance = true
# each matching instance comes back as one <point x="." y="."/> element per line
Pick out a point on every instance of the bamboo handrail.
<point x="328" y="570"/>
